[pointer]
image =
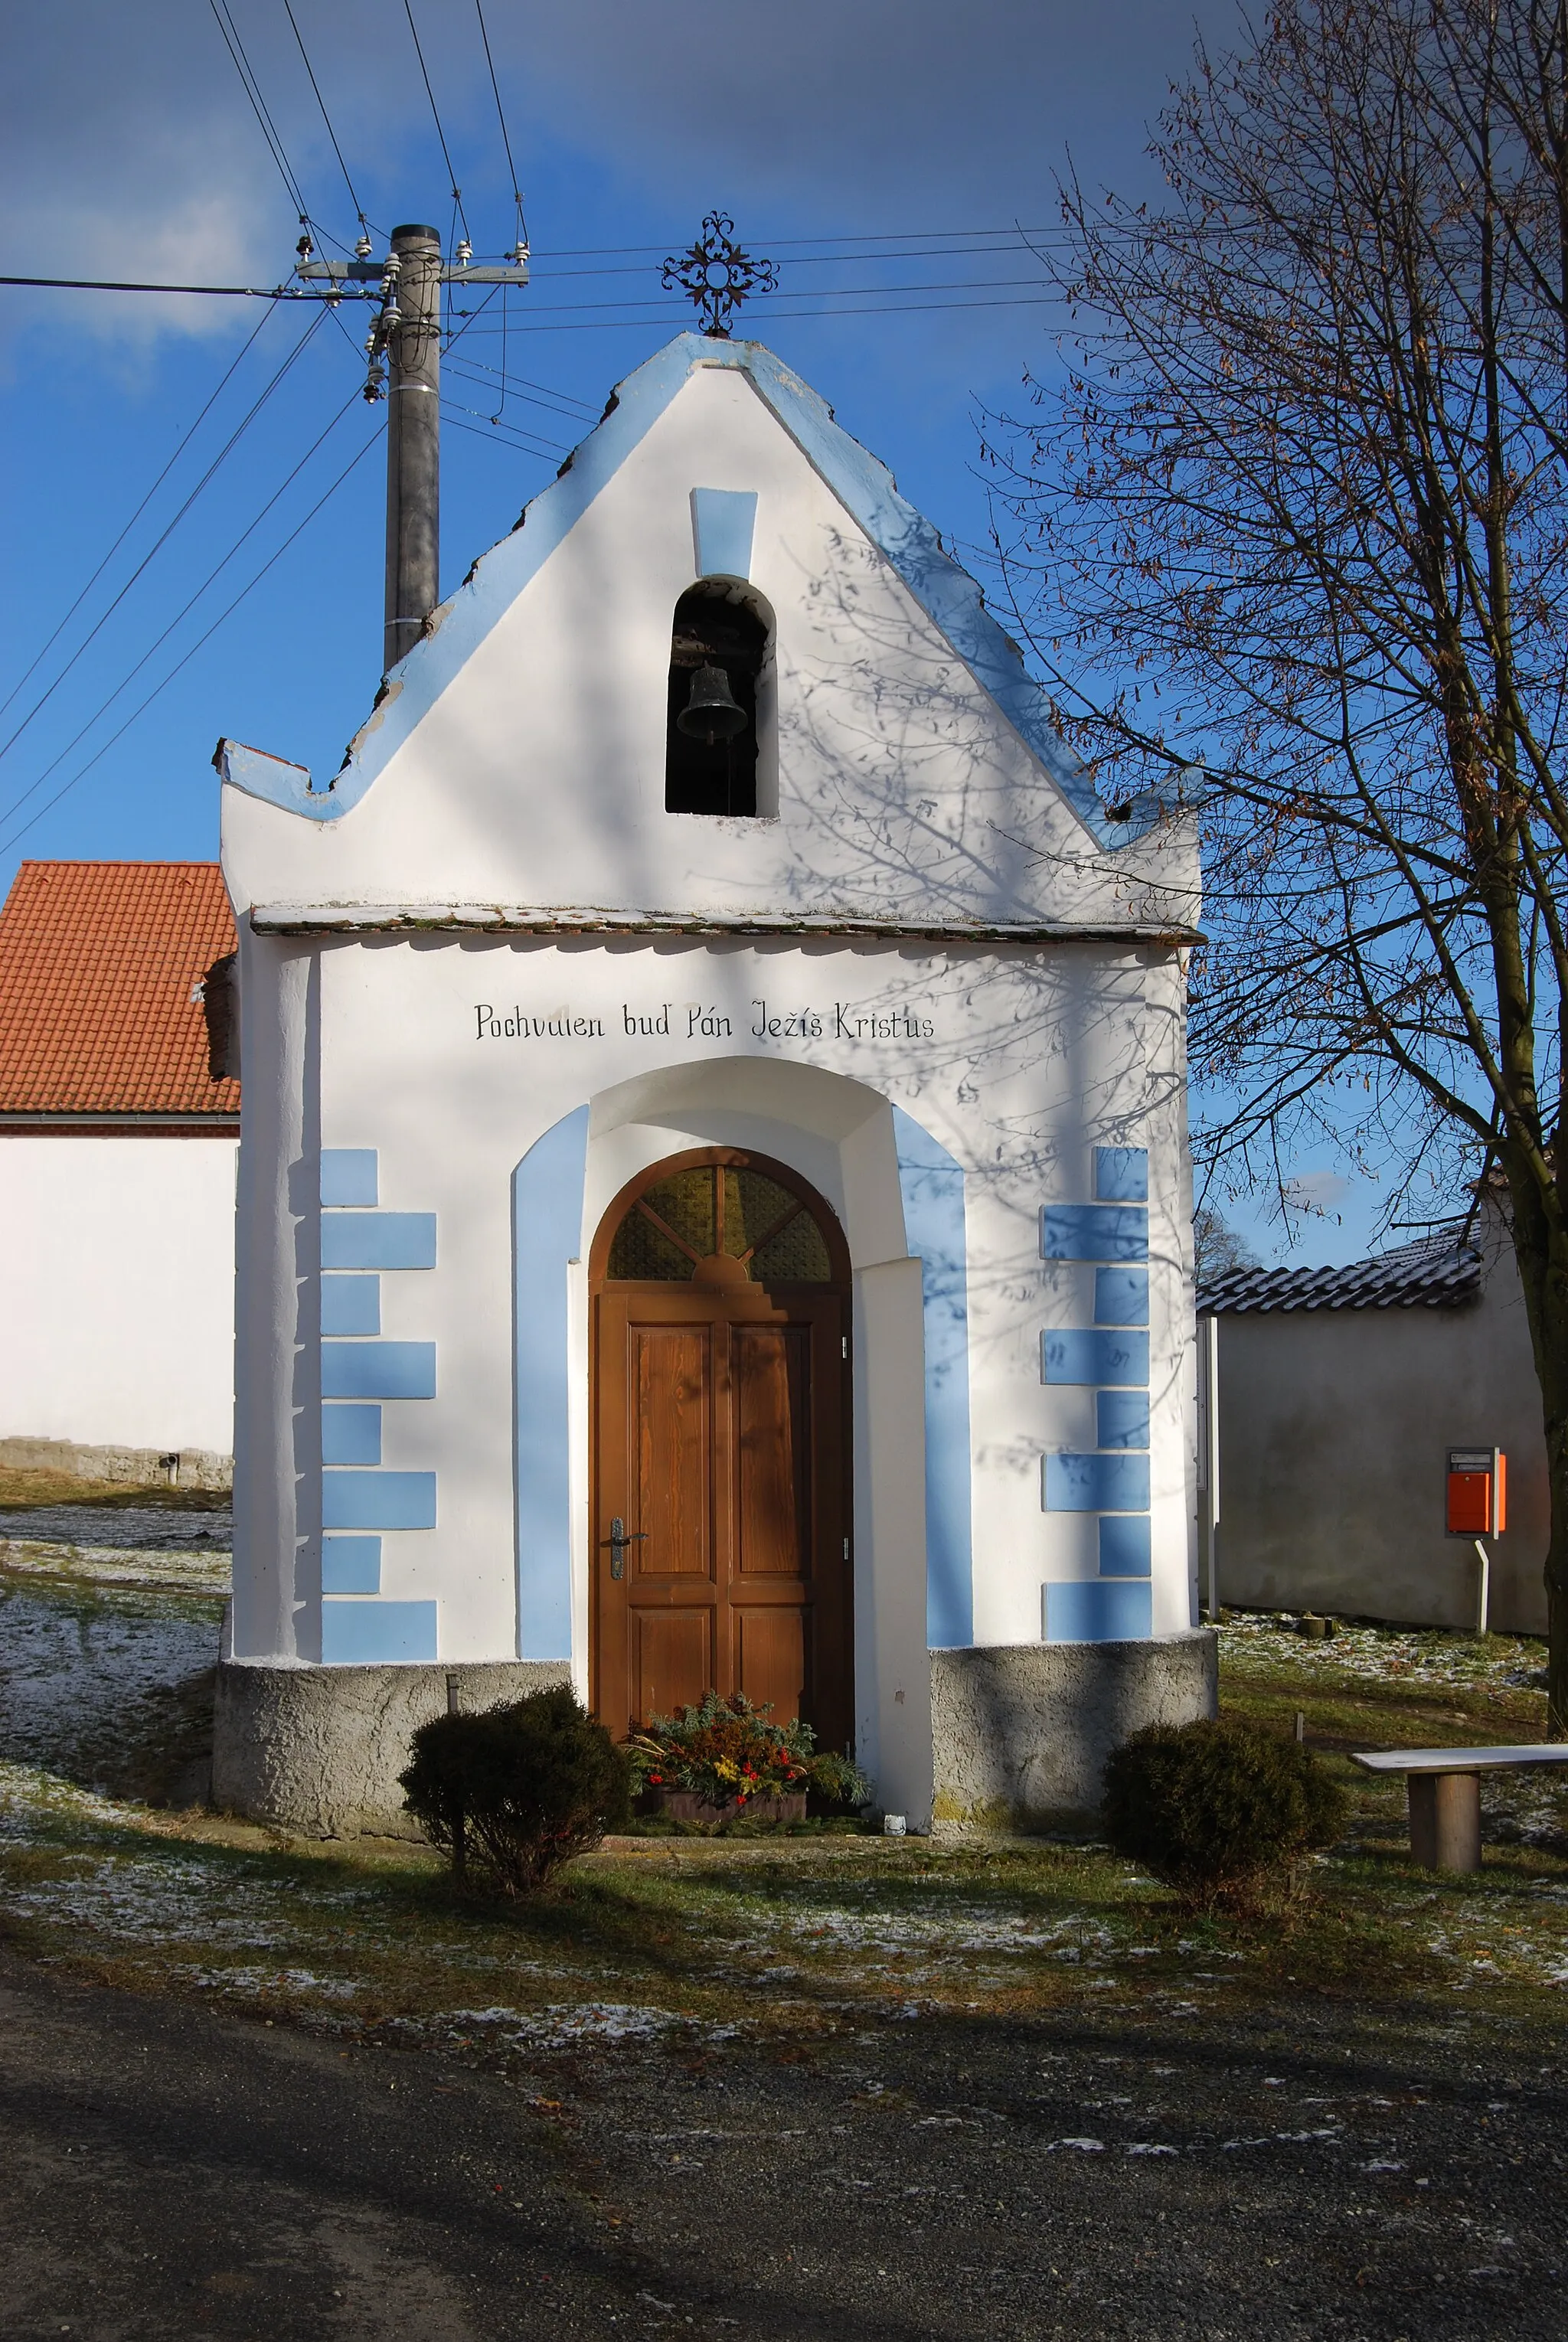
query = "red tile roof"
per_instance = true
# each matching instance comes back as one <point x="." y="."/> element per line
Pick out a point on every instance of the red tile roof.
<point x="101" y="1005"/>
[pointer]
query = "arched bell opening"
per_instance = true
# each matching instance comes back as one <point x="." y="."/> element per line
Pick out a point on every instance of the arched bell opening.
<point x="718" y="648"/>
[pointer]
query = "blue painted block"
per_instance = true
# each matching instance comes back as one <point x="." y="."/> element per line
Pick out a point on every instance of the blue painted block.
<point x="347" y="1176"/>
<point x="724" y="521"/>
<point x="1080" y="1355"/>
<point x="1094" y="1232"/>
<point x="378" y="1370"/>
<point x="377" y="1634"/>
<point x="351" y="1434"/>
<point x="1126" y="1549"/>
<point x="1097" y="1483"/>
<point x="1121" y="1297"/>
<point x="1099" y="1610"/>
<point x="350" y="1305"/>
<point x="378" y="1500"/>
<point x="379" y="1240"/>
<point x="1121" y="1418"/>
<point x="351" y="1564"/>
<point x="1121" y="1175"/>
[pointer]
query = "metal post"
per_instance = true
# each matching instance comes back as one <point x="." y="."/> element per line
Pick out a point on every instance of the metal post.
<point x="1209" y="1458"/>
<point x="1483" y="1590"/>
<point x="414" y="443"/>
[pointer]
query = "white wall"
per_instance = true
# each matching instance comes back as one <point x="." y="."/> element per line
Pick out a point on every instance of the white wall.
<point x="117" y="1291"/>
<point x="537" y="777"/>
<point x="1334" y="1428"/>
<point x="1029" y="1061"/>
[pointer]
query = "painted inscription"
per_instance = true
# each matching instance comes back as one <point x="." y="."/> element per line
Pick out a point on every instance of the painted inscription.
<point x="844" y="1020"/>
<point x="513" y="1025"/>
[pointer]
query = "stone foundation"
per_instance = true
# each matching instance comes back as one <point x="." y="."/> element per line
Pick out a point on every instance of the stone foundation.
<point x="121" y="1468"/>
<point x="319" y="1749"/>
<point x="1020" y="1732"/>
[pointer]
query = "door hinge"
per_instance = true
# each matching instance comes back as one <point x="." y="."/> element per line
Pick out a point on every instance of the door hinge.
<point x="843" y="1346"/>
<point x="846" y="1548"/>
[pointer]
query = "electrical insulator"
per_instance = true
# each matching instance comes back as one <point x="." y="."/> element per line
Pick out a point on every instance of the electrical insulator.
<point x="391" y="318"/>
<point x="464" y="254"/>
<point x="375" y="381"/>
<point x="305" y="247"/>
<point x="519" y="255"/>
<point x="362" y="249"/>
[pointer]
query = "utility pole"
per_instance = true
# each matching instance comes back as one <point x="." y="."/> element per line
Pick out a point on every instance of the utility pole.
<point x="413" y="441"/>
<point x="407" y="331"/>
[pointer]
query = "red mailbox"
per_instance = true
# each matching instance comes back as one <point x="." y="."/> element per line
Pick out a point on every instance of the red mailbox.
<point x="1477" y="1492"/>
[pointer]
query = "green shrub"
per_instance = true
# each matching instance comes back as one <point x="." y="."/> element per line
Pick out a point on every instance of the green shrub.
<point x="836" y="1785"/>
<point x="1213" y="1807"/>
<point x="516" y="1791"/>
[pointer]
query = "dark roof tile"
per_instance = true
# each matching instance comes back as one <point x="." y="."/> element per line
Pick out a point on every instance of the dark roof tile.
<point x="1440" y="1271"/>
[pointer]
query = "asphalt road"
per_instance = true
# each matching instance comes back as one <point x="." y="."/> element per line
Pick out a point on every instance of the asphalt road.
<point x="171" y="2171"/>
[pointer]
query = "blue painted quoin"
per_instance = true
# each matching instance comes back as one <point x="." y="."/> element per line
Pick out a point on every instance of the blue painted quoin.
<point x="1111" y="1481"/>
<point x="359" y="1626"/>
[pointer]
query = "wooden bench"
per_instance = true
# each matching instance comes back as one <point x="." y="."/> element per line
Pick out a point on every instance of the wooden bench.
<point x="1445" y="1787"/>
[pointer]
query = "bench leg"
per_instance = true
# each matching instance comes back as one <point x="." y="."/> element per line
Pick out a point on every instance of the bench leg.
<point x="1445" y="1820"/>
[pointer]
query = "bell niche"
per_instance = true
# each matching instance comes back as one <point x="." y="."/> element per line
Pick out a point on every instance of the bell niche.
<point x="717" y="648"/>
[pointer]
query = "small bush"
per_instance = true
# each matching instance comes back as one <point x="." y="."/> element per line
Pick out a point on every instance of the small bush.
<point x="837" y="1785"/>
<point x="516" y="1791"/>
<point x="1213" y="1807"/>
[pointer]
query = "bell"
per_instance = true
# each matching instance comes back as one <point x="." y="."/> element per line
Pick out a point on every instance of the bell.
<point x="711" y="713"/>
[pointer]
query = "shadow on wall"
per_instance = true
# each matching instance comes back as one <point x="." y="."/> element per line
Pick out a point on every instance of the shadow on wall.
<point x="1021" y="1734"/>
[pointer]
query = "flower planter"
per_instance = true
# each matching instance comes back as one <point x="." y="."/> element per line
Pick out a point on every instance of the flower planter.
<point x="688" y="1806"/>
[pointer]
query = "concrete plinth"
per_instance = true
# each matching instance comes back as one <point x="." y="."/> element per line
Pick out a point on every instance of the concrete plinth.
<point x="1020" y="1732"/>
<point x="319" y="1749"/>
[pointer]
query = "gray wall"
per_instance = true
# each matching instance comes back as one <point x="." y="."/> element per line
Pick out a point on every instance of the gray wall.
<point x="1334" y="1431"/>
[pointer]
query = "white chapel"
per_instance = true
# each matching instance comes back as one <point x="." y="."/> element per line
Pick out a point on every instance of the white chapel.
<point x="713" y="1201"/>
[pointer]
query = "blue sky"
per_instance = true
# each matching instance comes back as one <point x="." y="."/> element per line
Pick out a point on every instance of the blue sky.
<point x="883" y="152"/>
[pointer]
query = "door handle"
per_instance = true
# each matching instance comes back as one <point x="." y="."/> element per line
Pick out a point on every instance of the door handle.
<point x="617" y="1541"/>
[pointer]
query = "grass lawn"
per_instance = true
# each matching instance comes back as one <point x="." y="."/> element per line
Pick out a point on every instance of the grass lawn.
<point x="777" y="1939"/>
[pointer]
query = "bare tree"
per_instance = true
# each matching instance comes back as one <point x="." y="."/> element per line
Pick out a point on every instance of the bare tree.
<point x="1288" y="528"/>
<point x="1217" y="1249"/>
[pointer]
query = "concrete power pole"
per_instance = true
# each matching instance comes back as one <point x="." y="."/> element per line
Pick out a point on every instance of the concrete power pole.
<point x="414" y="443"/>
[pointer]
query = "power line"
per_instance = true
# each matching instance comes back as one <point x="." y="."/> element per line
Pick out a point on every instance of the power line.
<point x="768" y="302"/>
<point x="338" y="150"/>
<point x="825" y="259"/>
<point x="225" y="451"/>
<point x="31" y="669"/>
<point x="499" y="433"/>
<point x="891" y="309"/>
<point x="436" y="116"/>
<point x="213" y="576"/>
<point x="252" y="88"/>
<point x="121" y="284"/>
<point x="534" y="393"/>
<point x="501" y="118"/>
<point x="200" y="644"/>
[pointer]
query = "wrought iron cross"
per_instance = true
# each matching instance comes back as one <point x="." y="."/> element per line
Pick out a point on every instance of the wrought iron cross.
<point x="717" y="275"/>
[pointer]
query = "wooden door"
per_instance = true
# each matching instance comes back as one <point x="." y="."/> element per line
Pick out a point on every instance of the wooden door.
<point x="720" y="1440"/>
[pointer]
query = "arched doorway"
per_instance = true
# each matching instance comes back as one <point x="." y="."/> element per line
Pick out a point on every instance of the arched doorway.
<point x="720" y="1515"/>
